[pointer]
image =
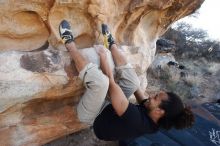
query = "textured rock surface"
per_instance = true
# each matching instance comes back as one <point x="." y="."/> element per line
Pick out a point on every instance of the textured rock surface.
<point x="38" y="83"/>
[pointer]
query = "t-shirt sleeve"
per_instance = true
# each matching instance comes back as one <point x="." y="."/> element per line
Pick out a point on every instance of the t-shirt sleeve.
<point x="132" y="115"/>
<point x="133" y="123"/>
<point x="137" y="120"/>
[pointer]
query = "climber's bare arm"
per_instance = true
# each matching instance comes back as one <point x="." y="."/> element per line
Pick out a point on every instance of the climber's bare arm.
<point x="117" y="97"/>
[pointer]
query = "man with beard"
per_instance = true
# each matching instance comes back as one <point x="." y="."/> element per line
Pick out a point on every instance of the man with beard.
<point x="119" y="119"/>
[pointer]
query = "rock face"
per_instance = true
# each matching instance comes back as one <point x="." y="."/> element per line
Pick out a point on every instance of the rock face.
<point x="38" y="83"/>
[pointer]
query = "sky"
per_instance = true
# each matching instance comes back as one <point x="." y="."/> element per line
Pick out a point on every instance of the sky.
<point x="208" y="18"/>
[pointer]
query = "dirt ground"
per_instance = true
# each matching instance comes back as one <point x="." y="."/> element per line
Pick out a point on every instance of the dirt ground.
<point x="82" y="138"/>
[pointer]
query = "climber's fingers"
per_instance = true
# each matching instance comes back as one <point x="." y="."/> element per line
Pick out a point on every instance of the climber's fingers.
<point x="100" y="50"/>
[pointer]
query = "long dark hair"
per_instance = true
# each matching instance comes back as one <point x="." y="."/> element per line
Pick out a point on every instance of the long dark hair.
<point x="177" y="114"/>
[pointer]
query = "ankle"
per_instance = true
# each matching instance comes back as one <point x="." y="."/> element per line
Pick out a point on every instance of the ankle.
<point x="112" y="46"/>
<point x="70" y="46"/>
<point x="69" y="41"/>
<point x="111" y="41"/>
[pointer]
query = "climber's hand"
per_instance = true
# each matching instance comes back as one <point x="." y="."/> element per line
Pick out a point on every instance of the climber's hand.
<point x="104" y="65"/>
<point x="101" y="51"/>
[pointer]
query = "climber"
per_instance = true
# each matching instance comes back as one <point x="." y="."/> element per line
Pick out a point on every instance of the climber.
<point x="119" y="119"/>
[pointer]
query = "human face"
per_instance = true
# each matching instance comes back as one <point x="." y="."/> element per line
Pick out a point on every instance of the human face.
<point x="156" y="99"/>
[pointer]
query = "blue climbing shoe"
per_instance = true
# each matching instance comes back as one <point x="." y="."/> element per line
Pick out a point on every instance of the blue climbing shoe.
<point x="65" y="32"/>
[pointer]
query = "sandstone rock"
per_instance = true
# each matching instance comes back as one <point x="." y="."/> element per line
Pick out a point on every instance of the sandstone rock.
<point x="38" y="83"/>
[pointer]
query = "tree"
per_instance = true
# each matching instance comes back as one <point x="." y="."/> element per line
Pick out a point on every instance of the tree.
<point x="191" y="34"/>
<point x="193" y="43"/>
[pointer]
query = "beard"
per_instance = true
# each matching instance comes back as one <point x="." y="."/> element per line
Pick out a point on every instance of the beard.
<point x="147" y="107"/>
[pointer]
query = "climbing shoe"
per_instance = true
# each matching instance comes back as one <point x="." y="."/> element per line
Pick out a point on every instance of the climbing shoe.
<point x="108" y="39"/>
<point x="65" y="32"/>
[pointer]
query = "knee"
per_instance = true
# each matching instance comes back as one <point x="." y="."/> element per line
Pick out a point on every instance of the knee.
<point x="103" y="82"/>
<point x="136" y="84"/>
<point x="94" y="79"/>
<point x="83" y="119"/>
<point x="98" y="82"/>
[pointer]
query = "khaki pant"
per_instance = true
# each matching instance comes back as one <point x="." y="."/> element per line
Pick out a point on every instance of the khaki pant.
<point x="96" y="83"/>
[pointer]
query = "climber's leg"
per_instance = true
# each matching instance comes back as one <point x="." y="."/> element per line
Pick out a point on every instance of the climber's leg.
<point x="118" y="57"/>
<point x="80" y="61"/>
<point x="68" y="40"/>
<point x="95" y="82"/>
<point x="126" y="76"/>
